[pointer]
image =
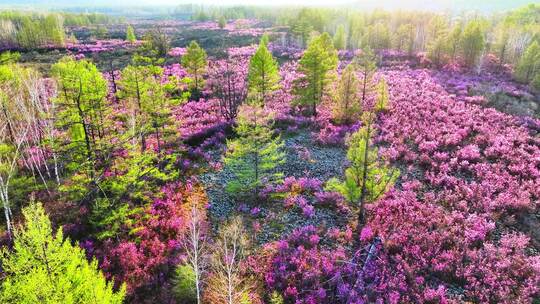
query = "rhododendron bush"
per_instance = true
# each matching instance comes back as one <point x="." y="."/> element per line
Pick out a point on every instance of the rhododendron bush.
<point x="252" y="156"/>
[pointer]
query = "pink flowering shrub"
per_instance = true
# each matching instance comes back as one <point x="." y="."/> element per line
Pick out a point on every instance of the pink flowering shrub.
<point x="468" y="168"/>
<point x="305" y="194"/>
<point x="145" y="260"/>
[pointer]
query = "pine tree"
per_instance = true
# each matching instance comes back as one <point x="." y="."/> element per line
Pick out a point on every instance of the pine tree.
<point x="340" y="38"/>
<point x="367" y="177"/>
<point x="317" y="66"/>
<point x="45" y="268"/>
<point x="254" y="155"/>
<point x="346" y="98"/>
<point x="529" y="64"/>
<point x="130" y="34"/>
<point x="195" y="62"/>
<point x="263" y="74"/>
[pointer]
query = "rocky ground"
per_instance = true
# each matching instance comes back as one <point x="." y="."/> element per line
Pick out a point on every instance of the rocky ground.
<point x="304" y="158"/>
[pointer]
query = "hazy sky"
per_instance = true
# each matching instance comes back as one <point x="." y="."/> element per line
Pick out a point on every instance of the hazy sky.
<point x="482" y="5"/>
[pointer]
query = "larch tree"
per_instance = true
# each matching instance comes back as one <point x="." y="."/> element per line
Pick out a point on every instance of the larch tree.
<point x="472" y="42"/>
<point x="367" y="66"/>
<point x="263" y="74"/>
<point x="438" y="48"/>
<point x="130" y="34"/>
<point x="367" y="177"/>
<point x="149" y="111"/>
<point x="347" y="107"/>
<point x="195" y="62"/>
<point x="254" y="155"/>
<point x="404" y="38"/>
<point x="340" y="38"/>
<point x="82" y="100"/>
<point x="44" y="267"/>
<point x="529" y="64"/>
<point x="454" y="39"/>
<point x="381" y="103"/>
<point x="222" y="22"/>
<point x="317" y="67"/>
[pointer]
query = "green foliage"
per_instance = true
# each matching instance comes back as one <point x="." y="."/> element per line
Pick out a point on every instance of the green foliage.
<point x="83" y="109"/>
<point x="263" y="74"/>
<point x="454" y="39"/>
<point x="100" y="32"/>
<point x="254" y="155"/>
<point x="184" y="284"/>
<point x="140" y="175"/>
<point x="265" y="39"/>
<point x="195" y="62"/>
<point x="107" y="219"/>
<point x="437" y="49"/>
<point x="156" y="45"/>
<point x="303" y="25"/>
<point x="367" y="65"/>
<point x="347" y="105"/>
<point x="382" y="99"/>
<point x="340" y="38"/>
<point x="276" y="298"/>
<point x="404" y="38"/>
<point x="377" y="36"/>
<point x="367" y="177"/>
<point x="149" y="108"/>
<point x="45" y="268"/>
<point x="317" y="66"/>
<point x="528" y="67"/>
<point x="222" y="22"/>
<point x="130" y="34"/>
<point x="472" y="42"/>
<point x="9" y="57"/>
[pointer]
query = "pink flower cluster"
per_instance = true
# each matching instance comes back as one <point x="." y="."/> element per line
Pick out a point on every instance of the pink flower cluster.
<point x="469" y="168"/>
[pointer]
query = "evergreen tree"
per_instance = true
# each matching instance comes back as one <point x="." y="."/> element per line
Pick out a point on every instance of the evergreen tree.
<point x="367" y="177"/>
<point x="263" y="74"/>
<point x="317" y="66"/>
<point x="130" y="34"/>
<point x="472" y="42"/>
<point x="45" y="268"/>
<point x="529" y="64"/>
<point x="254" y="154"/>
<point x="340" y="38"/>
<point x="195" y="62"/>
<point x="346" y="98"/>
